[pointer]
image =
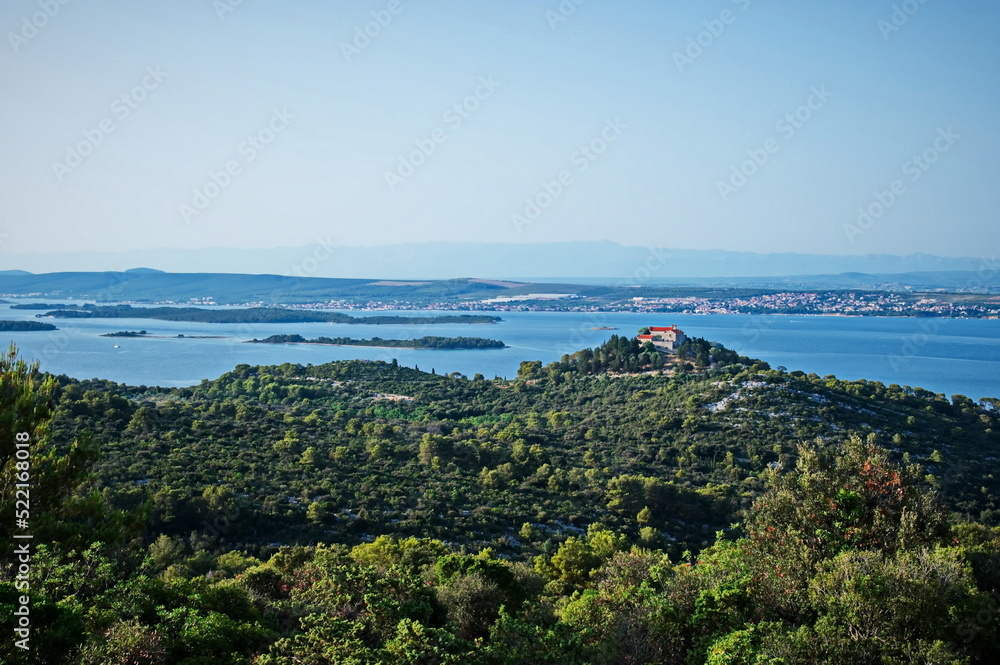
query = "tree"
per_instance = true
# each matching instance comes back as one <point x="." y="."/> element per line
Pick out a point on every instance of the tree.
<point x="417" y="644"/>
<point x="895" y="601"/>
<point x="850" y="496"/>
<point x="516" y="641"/>
<point x="573" y="562"/>
<point x="627" y="617"/>
<point x="472" y="601"/>
<point x="529" y="369"/>
<point x="316" y="512"/>
<point x="67" y="510"/>
<point x="527" y="532"/>
<point x="26" y="400"/>
<point x="409" y="553"/>
<point x="840" y="498"/>
<point x="127" y="643"/>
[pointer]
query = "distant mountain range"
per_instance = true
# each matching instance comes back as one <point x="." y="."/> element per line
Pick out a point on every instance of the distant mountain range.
<point x="562" y="261"/>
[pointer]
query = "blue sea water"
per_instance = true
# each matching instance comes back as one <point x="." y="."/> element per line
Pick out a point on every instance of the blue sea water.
<point x="950" y="356"/>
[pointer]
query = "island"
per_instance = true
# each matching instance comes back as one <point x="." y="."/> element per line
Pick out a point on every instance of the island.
<point x="249" y="315"/>
<point x="143" y="333"/>
<point x="126" y="333"/>
<point x="23" y="326"/>
<point x="41" y="305"/>
<point x="428" y="342"/>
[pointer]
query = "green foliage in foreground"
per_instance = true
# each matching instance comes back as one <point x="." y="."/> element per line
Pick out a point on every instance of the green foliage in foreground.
<point x="846" y="551"/>
<point x="789" y="590"/>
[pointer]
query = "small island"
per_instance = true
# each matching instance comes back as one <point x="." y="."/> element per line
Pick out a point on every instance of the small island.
<point x="42" y="305"/>
<point x="126" y="333"/>
<point x="143" y="333"/>
<point x="429" y="342"/>
<point x="22" y="326"/>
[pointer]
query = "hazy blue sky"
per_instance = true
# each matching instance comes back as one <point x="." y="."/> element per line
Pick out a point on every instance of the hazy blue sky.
<point x="183" y="85"/>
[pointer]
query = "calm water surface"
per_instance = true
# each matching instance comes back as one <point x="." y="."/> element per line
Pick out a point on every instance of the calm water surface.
<point x="942" y="355"/>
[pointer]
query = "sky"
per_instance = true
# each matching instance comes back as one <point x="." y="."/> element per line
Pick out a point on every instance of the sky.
<point x="855" y="127"/>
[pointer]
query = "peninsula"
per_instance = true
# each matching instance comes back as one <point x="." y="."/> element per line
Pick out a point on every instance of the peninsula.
<point x="250" y="315"/>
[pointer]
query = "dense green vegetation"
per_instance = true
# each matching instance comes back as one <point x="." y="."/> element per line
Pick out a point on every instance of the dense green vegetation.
<point x="25" y="326"/>
<point x="427" y="342"/>
<point x="617" y="506"/>
<point x="133" y="286"/>
<point x="41" y="306"/>
<point x="251" y="315"/>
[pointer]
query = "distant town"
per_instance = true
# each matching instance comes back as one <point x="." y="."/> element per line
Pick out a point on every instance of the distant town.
<point x="792" y="302"/>
<point x="973" y="300"/>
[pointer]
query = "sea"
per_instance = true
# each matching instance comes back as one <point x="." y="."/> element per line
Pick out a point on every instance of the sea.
<point x="949" y="356"/>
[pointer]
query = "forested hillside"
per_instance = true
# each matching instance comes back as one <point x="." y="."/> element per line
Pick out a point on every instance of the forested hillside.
<point x="612" y="507"/>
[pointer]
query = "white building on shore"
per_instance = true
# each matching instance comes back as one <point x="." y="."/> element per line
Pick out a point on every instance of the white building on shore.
<point x="664" y="338"/>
